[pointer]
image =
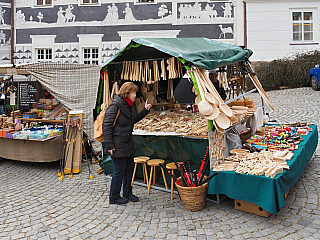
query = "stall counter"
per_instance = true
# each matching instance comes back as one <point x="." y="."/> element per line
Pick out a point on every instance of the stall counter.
<point x="267" y="193"/>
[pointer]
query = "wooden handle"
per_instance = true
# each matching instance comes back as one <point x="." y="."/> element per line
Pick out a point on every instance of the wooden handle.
<point x="209" y="85"/>
<point x="140" y="71"/>
<point x="123" y="64"/>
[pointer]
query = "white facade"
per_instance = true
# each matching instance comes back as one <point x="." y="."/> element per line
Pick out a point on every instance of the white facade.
<point x="274" y="28"/>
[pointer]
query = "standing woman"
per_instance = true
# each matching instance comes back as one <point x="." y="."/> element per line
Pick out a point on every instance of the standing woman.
<point x="119" y="141"/>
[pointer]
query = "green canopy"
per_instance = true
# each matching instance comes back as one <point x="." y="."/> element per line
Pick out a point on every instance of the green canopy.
<point x="201" y="52"/>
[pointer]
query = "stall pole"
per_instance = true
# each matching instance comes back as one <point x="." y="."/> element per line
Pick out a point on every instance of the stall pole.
<point x="12" y="48"/>
<point x="242" y="95"/>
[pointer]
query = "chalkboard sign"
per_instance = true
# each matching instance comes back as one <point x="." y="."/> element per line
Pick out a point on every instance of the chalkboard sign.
<point x="27" y="94"/>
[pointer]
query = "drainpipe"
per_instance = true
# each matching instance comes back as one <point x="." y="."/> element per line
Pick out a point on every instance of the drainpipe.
<point x="12" y="46"/>
<point x="245" y="41"/>
<point x="12" y="30"/>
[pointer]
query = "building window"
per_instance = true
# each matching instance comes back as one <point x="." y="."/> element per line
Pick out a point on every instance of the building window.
<point x="145" y="1"/>
<point x="91" y="56"/>
<point x="302" y="26"/>
<point x="89" y="1"/>
<point x="43" y="2"/>
<point x="44" y="55"/>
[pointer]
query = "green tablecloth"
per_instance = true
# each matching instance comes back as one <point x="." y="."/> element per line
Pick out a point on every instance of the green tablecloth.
<point x="183" y="149"/>
<point x="266" y="192"/>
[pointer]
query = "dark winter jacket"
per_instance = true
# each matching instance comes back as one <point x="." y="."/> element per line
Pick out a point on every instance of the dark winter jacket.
<point x="119" y="137"/>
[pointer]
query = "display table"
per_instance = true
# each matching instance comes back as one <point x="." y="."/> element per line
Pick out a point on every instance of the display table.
<point x="267" y="193"/>
<point x="183" y="148"/>
<point x="48" y="150"/>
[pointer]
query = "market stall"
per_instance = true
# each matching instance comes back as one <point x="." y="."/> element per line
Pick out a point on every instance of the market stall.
<point x="156" y="66"/>
<point x="225" y="126"/>
<point x="32" y="129"/>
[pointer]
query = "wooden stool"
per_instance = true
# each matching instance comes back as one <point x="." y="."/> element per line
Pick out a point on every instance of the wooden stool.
<point x="172" y="166"/>
<point x="142" y="160"/>
<point x="155" y="163"/>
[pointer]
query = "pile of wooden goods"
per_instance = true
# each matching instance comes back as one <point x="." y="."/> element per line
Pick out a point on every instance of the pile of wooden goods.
<point x="216" y="145"/>
<point x="264" y="163"/>
<point x="180" y="122"/>
<point x="276" y="144"/>
<point x="5" y="121"/>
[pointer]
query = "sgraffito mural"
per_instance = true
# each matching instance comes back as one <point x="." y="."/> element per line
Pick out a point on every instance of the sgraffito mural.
<point x="67" y="19"/>
<point x="5" y="32"/>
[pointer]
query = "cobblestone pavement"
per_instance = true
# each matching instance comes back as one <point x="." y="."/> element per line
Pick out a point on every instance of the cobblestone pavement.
<point x="34" y="204"/>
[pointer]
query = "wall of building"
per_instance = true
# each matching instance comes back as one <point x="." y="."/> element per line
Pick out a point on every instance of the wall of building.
<point x="67" y="27"/>
<point x="5" y="31"/>
<point x="269" y="25"/>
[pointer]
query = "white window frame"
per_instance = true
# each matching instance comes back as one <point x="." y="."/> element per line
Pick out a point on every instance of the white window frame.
<point x="314" y="21"/>
<point x="90" y="59"/>
<point x="42" y="42"/>
<point x="43" y="5"/>
<point x="45" y="54"/>
<point x="90" y="41"/>
<point x="82" y="4"/>
<point x="136" y="2"/>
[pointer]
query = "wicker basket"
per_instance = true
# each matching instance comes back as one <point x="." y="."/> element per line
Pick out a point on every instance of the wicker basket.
<point x="193" y="198"/>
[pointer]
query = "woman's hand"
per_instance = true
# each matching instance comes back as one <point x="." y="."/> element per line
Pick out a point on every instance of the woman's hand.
<point x="111" y="151"/>
<point x="147" y="106"/>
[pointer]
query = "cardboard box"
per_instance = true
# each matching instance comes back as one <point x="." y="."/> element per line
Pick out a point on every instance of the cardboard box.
<point x="250" y="208"/>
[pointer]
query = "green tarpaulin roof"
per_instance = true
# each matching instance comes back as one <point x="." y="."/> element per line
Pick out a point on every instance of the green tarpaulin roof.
<point x="201" y="52"/>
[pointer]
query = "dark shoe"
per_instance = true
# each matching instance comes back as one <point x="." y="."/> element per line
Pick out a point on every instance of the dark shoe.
<point x="119" y="201"/>
<point x="132" y="198"/>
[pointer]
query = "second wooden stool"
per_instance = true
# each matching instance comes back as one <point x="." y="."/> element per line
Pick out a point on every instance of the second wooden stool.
<point x="171" y="166"/>
<point x="153" y="164"/>
<point x="142" y="160"/>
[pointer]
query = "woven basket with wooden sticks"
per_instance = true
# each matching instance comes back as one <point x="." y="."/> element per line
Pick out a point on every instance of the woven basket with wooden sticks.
<point x="193" y="198"/>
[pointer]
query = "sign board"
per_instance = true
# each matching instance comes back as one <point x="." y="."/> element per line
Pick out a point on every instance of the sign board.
<point x="12" y="98"/>
<point x="27" y="94"/>
<point x="12" y="71"/>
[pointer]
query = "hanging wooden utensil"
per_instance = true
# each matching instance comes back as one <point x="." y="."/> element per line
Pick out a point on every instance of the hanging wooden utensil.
<point x="163" y="70"/>
<point x="168" y="68"/>
<point x="209" y="85"/>
<point x="204" y="106"/>
<point x="128" y="71"/>
<point x="154" y="71"/>
<point x="143" y="72"/>
<point x="146" y="71"/>
<point x="131" y="72"/>
<point x="140" y="71"/>
<point x="134" y="71"/>
<point x="137" y="71"/>
<point x="122" y="72"/>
